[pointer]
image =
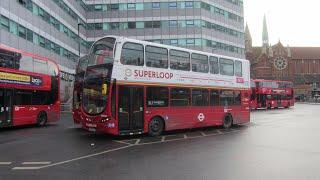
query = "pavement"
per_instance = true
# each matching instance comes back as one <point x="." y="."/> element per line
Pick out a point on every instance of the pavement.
<point x="277" y="144"/>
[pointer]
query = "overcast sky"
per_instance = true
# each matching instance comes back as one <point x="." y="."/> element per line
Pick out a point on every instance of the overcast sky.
<point x="294" y="22"/>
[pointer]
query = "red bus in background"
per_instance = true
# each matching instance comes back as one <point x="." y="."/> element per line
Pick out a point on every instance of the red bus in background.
<point x="271" y="94"/>
<point x="78" y="88"/>
<point x="134" y="87"/>
<point x="29" y="88"/>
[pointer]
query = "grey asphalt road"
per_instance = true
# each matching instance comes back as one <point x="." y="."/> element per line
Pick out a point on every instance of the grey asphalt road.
<point x="277" y="144"/>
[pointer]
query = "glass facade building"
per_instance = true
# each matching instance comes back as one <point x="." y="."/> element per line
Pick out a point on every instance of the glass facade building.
<point x="50" y="27"/>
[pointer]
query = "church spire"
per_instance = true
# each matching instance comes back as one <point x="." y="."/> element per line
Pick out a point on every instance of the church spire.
<point x="265" y="36"/>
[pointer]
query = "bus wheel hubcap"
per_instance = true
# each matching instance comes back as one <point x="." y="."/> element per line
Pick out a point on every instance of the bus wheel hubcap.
<point x="155" y="126"/>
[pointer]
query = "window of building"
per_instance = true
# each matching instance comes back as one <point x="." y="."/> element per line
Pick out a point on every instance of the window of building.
<point x="29" y="35"/>
<point x="173" y="23"/>
<point x="214" y="98"/>
<point x="156" y="57"/>
<point x="5" y="23"/>
<point x="123" y="6"/>
<point x="226" y="98"/>
<point x="47" y="44"/>
<point x="238" y="68"/>
<point x="214" y="65"/>
<point x="123" y="25"/>
<point x="200" y="97"/>
<point x="189" y="4"/>
<point x="131" y="25"/>
<point x="36" y="39"/>
<point x="114" y="7"/>
<point x="139" y="6"/>
<point x="157" y="97"/>
<point x="226" y="67"/>
<point x="174" y="42"/>
<point x="114" y="25"/>
<point x="172" y="4"/>
<point x="179" y="60"/>
<point x="179" y="97"/>
<point x="182" y="42"/>
<point x="190" y="42"/>
<point x="190" y="23"/>
<point x="156" y="5"/>
<point x="22" y="32"/>
<point x="182" y="23"/>
<point x="140" y="25"/>
<point x="199" y="63"/>
<point x="131" y="6"/>
<point x="41" y="41"/>
<point x="98" y="26"/>
<point x="105" y="26"/>
<point x="14" y="28"/>
<point x="132" y="54"/>
<point x="148" y="24"/>
<point x="156" y="24"/>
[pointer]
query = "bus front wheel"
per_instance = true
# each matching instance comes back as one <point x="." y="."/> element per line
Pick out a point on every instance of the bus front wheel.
<point x="41" y="119"/>
<point x="156" y="126"/>
<point x="227" y="122"/>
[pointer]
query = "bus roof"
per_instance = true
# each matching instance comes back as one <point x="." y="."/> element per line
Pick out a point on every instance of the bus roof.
<point x="124" y="39"/>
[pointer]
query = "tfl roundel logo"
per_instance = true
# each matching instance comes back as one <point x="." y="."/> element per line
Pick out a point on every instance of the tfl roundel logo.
<point x="128" y="72"/>
<point x="201" y="117"/>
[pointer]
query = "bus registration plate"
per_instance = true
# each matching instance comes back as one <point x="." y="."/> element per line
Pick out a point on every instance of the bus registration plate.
<point x="92" y="129"/>
<point x="91" y="125"/>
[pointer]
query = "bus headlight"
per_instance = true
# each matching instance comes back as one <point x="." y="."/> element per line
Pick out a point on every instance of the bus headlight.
<point x="105" y="120"/>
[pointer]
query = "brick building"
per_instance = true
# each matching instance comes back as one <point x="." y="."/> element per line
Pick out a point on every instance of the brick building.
<point x="298" y="64"/>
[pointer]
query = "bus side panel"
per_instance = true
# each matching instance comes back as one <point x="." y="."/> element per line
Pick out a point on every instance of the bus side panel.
<point x="24" y="115"/>
<point x="187" y="117"/>
<point x="206" y="116"/>
<point x="53" y="112"/>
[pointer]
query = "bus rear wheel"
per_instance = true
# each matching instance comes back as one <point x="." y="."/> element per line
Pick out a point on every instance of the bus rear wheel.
<point x="227" y="121"/>
<point x="156" y="126"/>
<point x="41" y="119"/>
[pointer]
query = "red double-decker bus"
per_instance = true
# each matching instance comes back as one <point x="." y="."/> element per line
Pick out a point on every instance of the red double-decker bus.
<point x="134" y="87"/>
<point x="29" y="88"/>
<point x="271" y="94"/>
<point x="78" y="88"/>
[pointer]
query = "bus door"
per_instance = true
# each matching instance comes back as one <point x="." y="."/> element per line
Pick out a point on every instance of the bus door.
<point x="130" y="104"/>
<point x="6" y="98"/>
<point x="279" y="98"/>
<point x="262" y="99"/>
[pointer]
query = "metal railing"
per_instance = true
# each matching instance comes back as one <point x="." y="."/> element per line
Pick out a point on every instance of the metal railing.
<point x="66" y="107"/>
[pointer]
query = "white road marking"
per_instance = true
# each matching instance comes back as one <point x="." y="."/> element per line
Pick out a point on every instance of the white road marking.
<point x="26" y="168"/>
<point x="185" y="136"/>
<point x="163" y="138"/>
<point x="203" y="134"/>
<point x="122" y="142"/>
<point x="74" y="159"/>
<point x="35" y="163"/>
<point x="5" y="163"/>
<point x="137" y="142"/>
<point x="128" y="145"/>
<point x="219" y="132"/>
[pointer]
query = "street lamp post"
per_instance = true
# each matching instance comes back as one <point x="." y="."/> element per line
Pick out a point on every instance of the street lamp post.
<point x="79" y="39"/>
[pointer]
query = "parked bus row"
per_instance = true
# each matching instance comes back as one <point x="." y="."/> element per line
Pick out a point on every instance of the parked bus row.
<point x="29" y="88"/>
<point x="125" y="86"/>
<point x="269" y="94"/>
